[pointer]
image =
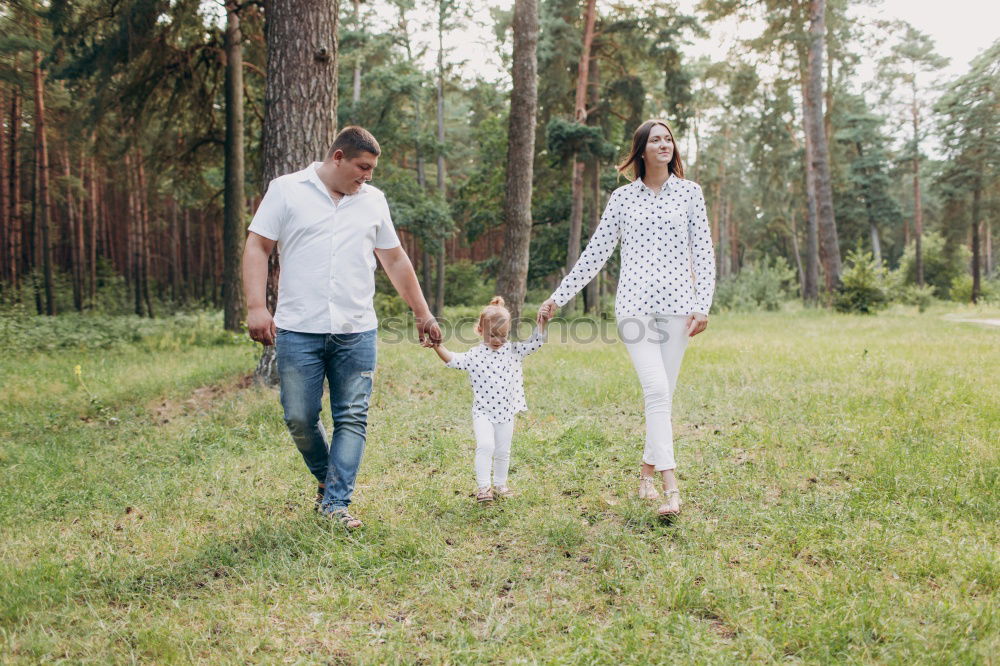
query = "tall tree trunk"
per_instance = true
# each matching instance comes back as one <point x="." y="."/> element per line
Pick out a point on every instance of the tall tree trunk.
<point x="918" y="209"/>
<point x="233" y="216"/>
<point x="144" y="235"/>
<point x="829" y="246"/>
<point x="72" y="221"/>
<point x="580" y="116"/>
<point x="977" y="196"/>
<point x="872" y="224"/>
<point x="798" y="255"/>
<point x="94" y="226"/>
<point x="300" y="106"/>
<point x="356" y="96"/>
<point x="18" y="244"/>
<point x="514" y="255"/>
<point x="442" y="255"/>
<point x="734" y="238"/>
<point x="6" y="229"/>
<point x="810" y="287"/>
<point x="43" y="196"/>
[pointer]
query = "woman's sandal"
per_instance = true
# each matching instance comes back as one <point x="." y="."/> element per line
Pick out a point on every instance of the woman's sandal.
<point x="664" y="511"/>
<point x="647" y="488"/>
<point x="502" y="492"/>
<point x="484" y="495"/>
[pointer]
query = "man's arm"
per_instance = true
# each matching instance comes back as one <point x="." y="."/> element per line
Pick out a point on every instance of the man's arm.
<point x="259" y="321"/>
<point x="400" y="271"/>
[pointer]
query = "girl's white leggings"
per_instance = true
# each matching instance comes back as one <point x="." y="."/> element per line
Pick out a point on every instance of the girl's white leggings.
<point x="656" y="344"/>
<point x="492" y="450"/>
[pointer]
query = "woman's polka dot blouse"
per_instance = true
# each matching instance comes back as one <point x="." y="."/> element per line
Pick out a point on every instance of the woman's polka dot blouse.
<point x="497" y="377"/>
<point x="668" y="264"/>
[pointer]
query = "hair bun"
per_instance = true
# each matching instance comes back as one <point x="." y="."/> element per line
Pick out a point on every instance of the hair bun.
<point x="497" y="300"/>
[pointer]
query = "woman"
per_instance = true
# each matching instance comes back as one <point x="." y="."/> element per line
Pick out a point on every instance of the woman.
<point x="665" y="289"/>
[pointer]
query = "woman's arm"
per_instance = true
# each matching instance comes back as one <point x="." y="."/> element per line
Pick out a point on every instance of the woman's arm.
<point x="702" y="253"/>
<point x="599" y="248"/>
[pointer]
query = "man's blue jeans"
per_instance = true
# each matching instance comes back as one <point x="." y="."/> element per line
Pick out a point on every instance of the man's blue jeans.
<point x="347" y="361"/>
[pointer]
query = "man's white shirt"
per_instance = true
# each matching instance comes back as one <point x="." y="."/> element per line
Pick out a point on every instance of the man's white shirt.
<point x="326" y="250"/>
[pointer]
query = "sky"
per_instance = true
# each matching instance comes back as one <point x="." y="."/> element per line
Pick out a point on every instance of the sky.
<point x="960" y="28"/>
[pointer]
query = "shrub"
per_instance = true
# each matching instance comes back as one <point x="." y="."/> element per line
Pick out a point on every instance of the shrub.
<point x="942" y="263"/>
<point x="464" y="285"/>
<point x="759" y="286"/>
<point x="961" y="289"/>
<point x="863" y="287"/>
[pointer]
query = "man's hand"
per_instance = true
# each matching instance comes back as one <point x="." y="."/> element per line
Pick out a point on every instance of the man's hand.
<point x="428" y="329"/>
<point x="260" y="323"/>
<point x="546" y="312"/>
<point x="696" y="323"/>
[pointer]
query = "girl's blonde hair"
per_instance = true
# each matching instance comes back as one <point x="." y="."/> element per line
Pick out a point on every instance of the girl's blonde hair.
<point x="494" y="315"/>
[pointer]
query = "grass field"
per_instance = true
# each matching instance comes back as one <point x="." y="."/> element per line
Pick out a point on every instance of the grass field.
<point x="841" y="480"/>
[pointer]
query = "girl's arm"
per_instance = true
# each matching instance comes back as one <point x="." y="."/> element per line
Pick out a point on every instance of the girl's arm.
<point x="443" y="353"/>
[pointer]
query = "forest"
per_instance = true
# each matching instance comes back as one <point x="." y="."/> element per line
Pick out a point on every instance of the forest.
<point x="838" y="165"/>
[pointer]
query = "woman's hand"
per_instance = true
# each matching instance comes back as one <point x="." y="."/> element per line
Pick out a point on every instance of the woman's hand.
<point x="546" y="312"/>
<point x="696" y="323"/>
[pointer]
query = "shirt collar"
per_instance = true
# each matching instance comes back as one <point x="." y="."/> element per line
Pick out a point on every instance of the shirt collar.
<point x="310" y="174"/>
<point x="668" y="184"/>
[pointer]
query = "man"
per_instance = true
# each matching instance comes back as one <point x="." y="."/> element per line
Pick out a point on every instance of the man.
<point x="329" y="225"/>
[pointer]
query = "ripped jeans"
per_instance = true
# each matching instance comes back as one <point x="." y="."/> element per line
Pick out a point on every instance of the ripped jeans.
<point x="347" y="361"/>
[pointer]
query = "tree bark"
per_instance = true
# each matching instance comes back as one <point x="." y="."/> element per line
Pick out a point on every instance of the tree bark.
<point x="300" y="106"/>
<point x="42" y="196"/>
<point x="829" y="246"/>
<point x="233" y="232"/>
<point x="977" y="196"/>
<point x="580" y="116"/>
<point x="356" y="96"/>
<point x="514" y="255"/>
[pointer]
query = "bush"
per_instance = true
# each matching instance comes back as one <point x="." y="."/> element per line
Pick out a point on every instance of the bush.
<point x="464" y="285"/>
<point x="942" y="263"/>
<point x="863" y="285"/>
<point x="961" y="289"/>
<point x="912" y="294"/>
<point x="759" y="286"/>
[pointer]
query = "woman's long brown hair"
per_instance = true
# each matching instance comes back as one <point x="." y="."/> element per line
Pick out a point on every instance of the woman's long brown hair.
<point x="635" y="160"/>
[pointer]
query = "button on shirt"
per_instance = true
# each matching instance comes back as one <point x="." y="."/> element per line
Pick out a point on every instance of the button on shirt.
<point x="327" y="252"/>
<point x="497" y="377"/>
<point x="664" y="238"/>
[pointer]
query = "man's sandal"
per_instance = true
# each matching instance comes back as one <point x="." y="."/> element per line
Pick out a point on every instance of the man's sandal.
<point x="346" y="519"/>
<point x="647" y="488"/>
<point x="665" y="511"/>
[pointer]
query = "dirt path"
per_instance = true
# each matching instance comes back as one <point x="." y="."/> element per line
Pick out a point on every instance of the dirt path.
<point x="988" y="322"/>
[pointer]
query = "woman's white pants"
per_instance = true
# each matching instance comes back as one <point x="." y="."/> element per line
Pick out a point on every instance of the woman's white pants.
<point x="492" y="450"/>
<point x="656" y="344"/>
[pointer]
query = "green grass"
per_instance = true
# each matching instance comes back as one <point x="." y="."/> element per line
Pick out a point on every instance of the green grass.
<point x="840" y="477"/>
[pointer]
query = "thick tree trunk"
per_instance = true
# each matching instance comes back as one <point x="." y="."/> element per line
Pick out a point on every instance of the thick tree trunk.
<point x="300" y="106"/>
<point x="233" y="215"/>
<point x="580" y="116"/>
<point x="514" y="255"/>
<point x="43" y="196"/>
<point x="75" y="228"/>
<point x="592" y="292"/>
<point x="829" y="245"/>
<point x="356" y="96"/>
<point x="144" y="233"/>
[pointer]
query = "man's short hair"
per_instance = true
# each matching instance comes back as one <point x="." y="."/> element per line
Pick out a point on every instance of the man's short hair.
<point x="353" y="141"/>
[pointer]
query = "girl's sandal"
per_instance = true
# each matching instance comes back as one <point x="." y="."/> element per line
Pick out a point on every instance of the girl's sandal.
<point x="503" y="492"/>
<point x="647" y="488"/>
<point x="665" y="511"/>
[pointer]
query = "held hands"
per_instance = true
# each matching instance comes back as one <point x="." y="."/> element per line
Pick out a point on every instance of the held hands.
<point x="429" y="331"/>
<point x="546" y="312"/>
<point x="260" y="325"/>
<point x="696" y="323"/>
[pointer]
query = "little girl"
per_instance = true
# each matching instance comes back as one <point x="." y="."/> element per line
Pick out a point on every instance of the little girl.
<point x="494" y="369"/>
